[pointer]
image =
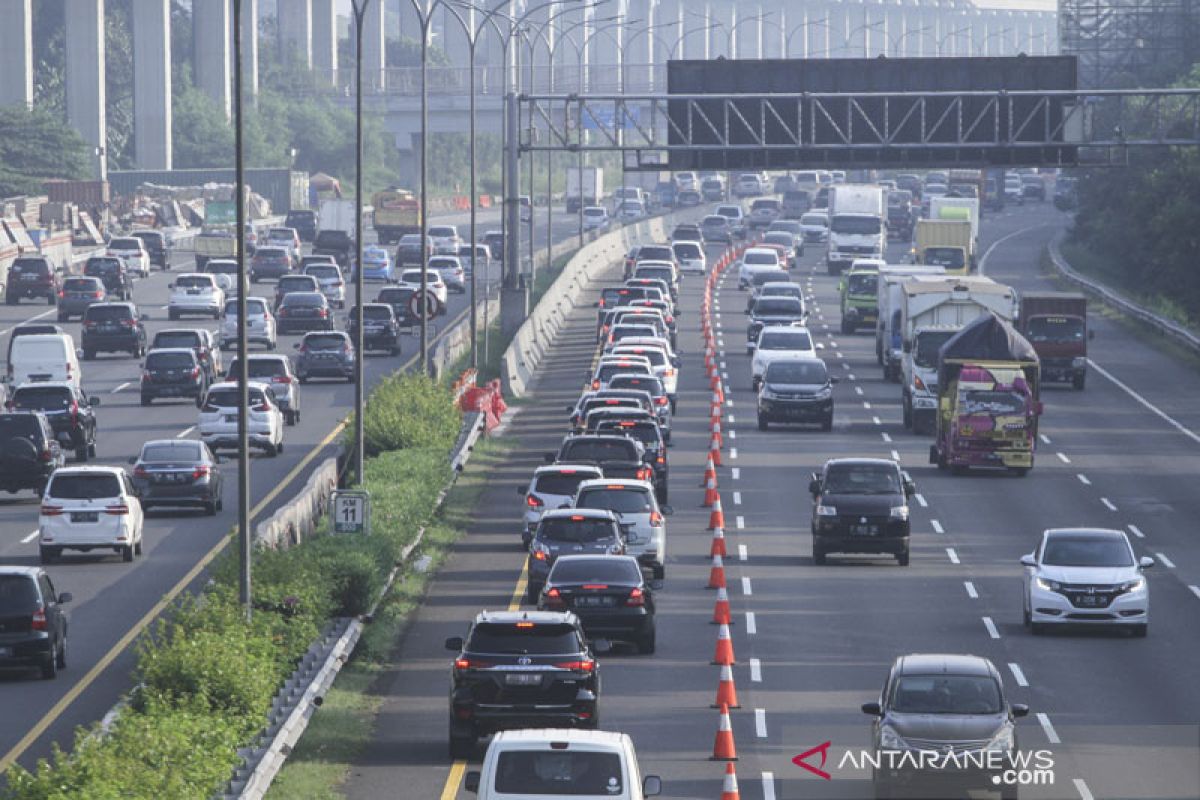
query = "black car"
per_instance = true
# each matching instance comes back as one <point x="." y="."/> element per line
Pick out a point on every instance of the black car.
<point x="381" y="331"/>
<point x="398" y="298"/>
<point x="269" y="262"/>
<point x="177" y="472"/>
<point x="29" y="451"/>
<point x="948" y="704"/>
<point x="564" y="531"/>
<point x="408" y="250"/>
<point x="609" y="398"/>
<point x="33" y="625"/>
<point x="304" y="311"/>
<point x="650" y="435"/>
<point x="521" y="669"/>
<point x="294" y="283"/>
<point x="338" y="244"/>
<point x="200" y="340"/>
<point x="860" y="505"/>
<point x="686" y="232"/>
<point x="173" y="372"/>
<point x="304" y="221"/>
<point x="325" y="355"/>
<point x="495" y="242"/>
<point x="155" y="243"/>
<point x="31" y="276"/>
<point x="77" y="294"/>
<point x="796" y="390"/>
<point x="609" y="594"/>
<point x="618" y="456"/>
<point x="67" y="408"/>
<point x="114" y="273"/>
<point x="113" y="327"/>
<point x="773" y="310"/>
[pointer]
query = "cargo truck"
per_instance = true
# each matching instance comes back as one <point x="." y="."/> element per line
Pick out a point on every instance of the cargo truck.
<point x="887" y="303"/>
<point x="988" y="406"/>
<point x="588" y="191"/>
<point x="956" y="208"/>
<point x="858" y="290"/>
<point x="1055" y="323"/>
<point x="857" y="224"/>
<point x="214" y="241"/>
<point x="931" y="313"/>
<point x="944" y="243"/>
<point x="397" y="212"/>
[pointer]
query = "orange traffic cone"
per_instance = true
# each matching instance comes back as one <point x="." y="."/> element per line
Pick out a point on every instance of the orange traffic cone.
<point x="730" y="792"/>
<point x="716" y="432"/>
<point x="718" y="543"/>
<point x="724" y="653"/>
<point x="716" y="575"/>
<point x="726" y="692"/>
<point x="710" y="494"/>
<point x="709" y="472"/>
<point x="714" y="452"/>
<point x="721" y="614"/>
<point x="723" y="749"/>
<point x="717" y="518"/>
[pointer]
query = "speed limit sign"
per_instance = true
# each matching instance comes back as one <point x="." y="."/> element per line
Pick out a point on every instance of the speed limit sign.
<point x="351" y="512"/>
<point x="424" y="306"/>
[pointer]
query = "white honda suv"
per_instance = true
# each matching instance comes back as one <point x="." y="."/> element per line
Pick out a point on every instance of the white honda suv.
<point x="218" y="424"/>
<point x="1086" y="576"/>
<point x="89" y="508"/>
<point x="778" y="342"/>
<point x="195" y="293"/>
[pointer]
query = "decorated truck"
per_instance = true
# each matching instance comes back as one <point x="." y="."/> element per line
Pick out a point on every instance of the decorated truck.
<point x="988" y="404"/>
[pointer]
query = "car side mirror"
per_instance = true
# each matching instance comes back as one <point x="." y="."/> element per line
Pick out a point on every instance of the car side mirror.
<point x="93" y="401"/>
<point x="79" y="352"/>
<point x="651" y="786"/>
<point x="834" y="379"/>
<point x="910" y="488"/>
<point x="454" y="644"/>
<point x="296" y="346"/>
<point x="132" y="460"/>
<point x="1020" y="710"/>
<point x="1028" y="560"/>
<point x="814" y="486"/>
<point x="666" y="510"/>
<point x="471" y="781"/>
<point x="1146" y="562"/>
<point x="548" y="458"/>
<point x="602" y="647"/>
<point x="66" y="597"/>
<point x="656" y="585"/>
<point x="873" y="709"/>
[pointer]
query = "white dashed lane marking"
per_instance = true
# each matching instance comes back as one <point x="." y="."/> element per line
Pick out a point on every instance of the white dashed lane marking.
<point x="921" y="500"/>
<point x="1051" y="734"/>
<point x="953" y="556"/>
<point x="755" y="670"/>
<point x="30" y="537"/>
<point x="991" y="628"/>
<point x="746" y="588"/>
<point x="1018" y="675"/>
<point x="1108" y="504"/>
<point x="740" y="522"/>
<point x="751" y="624"/>
<point x="1168" y="563"/>
<point x="937" y="526"/>
<point x="760" y="723"/>
<point x="1063" y="458"/>
<point x="1084" y="792"/>
<point x="743" y="552"/>
<point x="971" y="593"/>
<point x="1083" y="479"/>
<point x="1136" y="531"/>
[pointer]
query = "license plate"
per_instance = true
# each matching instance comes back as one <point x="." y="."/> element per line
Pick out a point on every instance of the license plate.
<point x="193" y="291"/>
<point x="523" y="679"/>
<point x="85" y="516"/>
<point x="1089" y="600"/>
<point x="29" y="277"/>
<point x="231" y="418"/>
<point x="593" y="602"/>
<point x="864" y="530"/>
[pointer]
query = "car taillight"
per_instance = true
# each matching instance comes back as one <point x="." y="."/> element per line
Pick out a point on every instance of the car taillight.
<point x="98" y="295"/>
<point x="117" y="510"/>
<point x="140" y="472"/>
<point x="656" y="518"/>
<point x="128" y="323"/>
<point x="259" y="407"/>
<point x="661" y="400"/>
<point x="661" y="459"/>
<point x="596" y="384"/>
<point x="636" y="598"/>
<point x="74" y="411"/>
<point x="554" y="598"/>
<point x="644" y="473"/>
<point x="89" y="323"/>
<point x="322" y="312"/>
<point x="47" y="456"/>
<point x="281" y="379"/>
<point x="200" y="472"/>
<point x="579" y="666"/>
<point x="281" y="312"/>
<point x="533" y="501"/>
<point x="49" y="510"/>
<point x="540" y="555"/>
<point x="62" y="293"/>
<point x="195" y="372"/>
<point x="38" y="620"/>
<point x="471" y="663"/>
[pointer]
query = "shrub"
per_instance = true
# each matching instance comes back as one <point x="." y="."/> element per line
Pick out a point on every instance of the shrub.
<point x="407" y="412"/>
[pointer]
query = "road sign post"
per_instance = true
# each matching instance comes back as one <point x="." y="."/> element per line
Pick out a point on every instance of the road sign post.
<point x="352" y="511"/>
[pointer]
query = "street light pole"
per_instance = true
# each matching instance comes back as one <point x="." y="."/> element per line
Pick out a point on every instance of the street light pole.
<point x="360" y="10"/>
<point x="243" y="370"/>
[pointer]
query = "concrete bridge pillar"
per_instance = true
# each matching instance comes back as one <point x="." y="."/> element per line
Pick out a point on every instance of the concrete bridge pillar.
<point x="294" y="21"/>
<point x="374" y="51"/>
<point x="85" y="76"/>
<point x="249" y="23"/>
<point x="16" y="53"/>
<point x="210" y="34"/>
<point x="152" y="83"/>
<point x="325" y="42"/>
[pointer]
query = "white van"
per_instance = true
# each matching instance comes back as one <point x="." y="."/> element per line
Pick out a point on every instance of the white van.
<point x="551" y="763"/>
<point x="44" y="357"/>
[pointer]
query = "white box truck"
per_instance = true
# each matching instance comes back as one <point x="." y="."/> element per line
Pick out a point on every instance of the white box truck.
<point x="931" y="312"/>
<point x="954" y="208"/>
<point x="887" y="301"/>
<point x="857" y="224"/>
<point x="337" y="215"/>
<point x="590" y="189"/>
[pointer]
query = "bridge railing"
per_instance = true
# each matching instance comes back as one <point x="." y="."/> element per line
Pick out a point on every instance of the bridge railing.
<point x="489" y="80"/>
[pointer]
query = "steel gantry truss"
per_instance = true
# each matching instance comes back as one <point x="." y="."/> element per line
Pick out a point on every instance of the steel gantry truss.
<point x="778" y="131"/>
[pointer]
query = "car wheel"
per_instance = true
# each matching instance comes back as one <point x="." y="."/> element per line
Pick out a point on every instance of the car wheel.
<point x="279" y="447"/>
<point x="10" y="300"/>
<point x="1026" y="617"/>
<point x="92" y="446"/>
<point x="137" y="548"/>
<point x="847" y="326"/>
<point x="172" y="314"/>
<point x="290" y="418"/>
<point x="762" y="423"/>
<point x="210" y="509"/>
<point x="902" y="558"/>
<point x="50" y="299"/>
<point x="1140" y="631"/>
<point x="827" y="424"/>
<point x="88" y="355"/>
<point x="147" y="399"/>
<point x="818" y="556"/>
<point x="48" y="555"/>
<point x="63" y="316"/>
<point x="61" y="660"/>
<point x="81" y="453"/>
<point x="906" y="413"/>
<point x="532" y="592"/>
<point x="302" y="378"/>
<point x="646" y="641"/>
<point x="50" y="665"/>
<point x="127" y="553"/>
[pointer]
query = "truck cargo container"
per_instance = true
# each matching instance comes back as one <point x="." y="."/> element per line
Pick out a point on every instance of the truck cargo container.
<point x="584" y="188"/>
<point x="887" y="304"/>
<point x="944" y="243"/>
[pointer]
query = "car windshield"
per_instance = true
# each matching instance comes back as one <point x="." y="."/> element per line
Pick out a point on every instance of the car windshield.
<point x="1086" y="551"/>
<point x="108" y="313"/>
<point x="510" y="638"/>
<point x="169" y="361"/>
<point x="125" y="244"/>
<point x="925" y="354"/>
<point x="595" y="570"/>
<point x="395" y="296"/>
<point x="442" y="231"/>
<point x="607" y="449"/>
<point x="606" y="371"/>
<point x="593" y="212"/>
<point x="327" y="341"/>
<point x="783" y="239"/>
<point x="559" y="773"/>
<point x="627" y="331"/>
<point x="862" y="284"/>
<point x="254" y="306"/>
<point x="332" y="239"/>
<point x="861" y="479"/>
<point x="647" y="384"/>
<point x="296" y="283"/>
<point x="100" y="265"/>
<point x="786" y="340"/>
<point x="581" y="530"/>
<point x="661" y="273"/>
<point x="778" y="306"/>
<point x="855" y="225"/>
<point x="990" y="403"/>
<point x="1055" y="330"/>
<point x="814" y="220"/>
<point x="561" y="483"/>
<point x="443" y="263"/>
<point x="372" y="313"/>
<point x="715" y="222"/>
<point x="657" y="358"/>
<point x="688" y="250"/>
<point x="258" y="368"/>
<point x="177" y="339"/>
<point x="946" y="694"/>
<point x="304" y="299"/>
<point x="948" y="257"/>
<point x="221" y="267"/>
<point x="81" y="285"/>
<point x="644" y="432"/>
<point x="171" y="451"/>
<point x="763" y="258"/>
<point x="83" y="486"/>
<point x="193" y="282"/>
<point x="789" y="290"/>
<point x="322" y="271"/>
<point x="624" y="501"/>
<point x="42" y="398"/>
<point x="655" y="253"/>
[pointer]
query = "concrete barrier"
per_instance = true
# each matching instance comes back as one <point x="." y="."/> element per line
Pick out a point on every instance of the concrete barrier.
<point x="298" y="518"/>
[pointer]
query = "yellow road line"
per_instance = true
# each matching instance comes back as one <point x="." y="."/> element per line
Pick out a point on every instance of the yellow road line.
<point x="90" y="677"/>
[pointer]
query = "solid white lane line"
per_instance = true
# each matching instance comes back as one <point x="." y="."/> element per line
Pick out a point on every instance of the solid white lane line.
<point x="1147" y="404"/>
<point x="751" y="623"/>
<point x="1018" y="675"/>
<point x="755" y="671"/>
<point x="921" y="501"/>
<point x="743" y="552"/>
<point x="737" y="473"/>
<point x="991" y="628"/>
<point x="768" y="783"/>
<point x="953" y="556"/>
<point x="1051" y="734"/>
<point x="937" y="526"/>
<point x="746" y="589"/>
<point x="1063" y="458"/>
<point x="732" y="451"/>
<point x="971" y="593"/>
<point x="1084" y="792"/>
<point x="120" y="387"/>
<point x="1045" y="439"/>
<point x="1108" y="504"/>
<point x="185" y="432"/>
<point x="1166" y="561"/>
<point x="1083" y="479"/>
<point x="1136" y="531"/>
<point x="737" y="498"/>
<point x="858" y="390"/>
<point x="30" y="537"/>
<point x="760" y="723"/>
<point x="740" y="522"/>
<point x="1195" y="589"/>
<point x="895" y="455"/>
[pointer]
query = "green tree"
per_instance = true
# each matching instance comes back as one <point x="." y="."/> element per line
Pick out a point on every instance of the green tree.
<point x="34" y="146"/>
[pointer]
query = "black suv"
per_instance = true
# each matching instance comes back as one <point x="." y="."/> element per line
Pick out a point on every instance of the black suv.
<point x="33" y="625"/>
<point x="31" y="276"/>
<point x="521" y="669"/>
<point x="618" y="456"/>
<point x="773" y="310"/>
<point x="304" y="311"/>
<point x="795" y="390"/>
<point x="67" y="408"/>
<point x="29" y="452"/>
<point x="304" y="221"/>
<point x="381" y="331"/>
<point x="398" y="298"/>
<point x="111" y="327"/>
<point x="338" y="244"/>
<point x="648" y="433"/>
<point x="173" y="372"/>
<point x="200" y="340"/>
<point x="860" y="505"/>
<point x="155" y="243"/>
<point x="113" y="273"/>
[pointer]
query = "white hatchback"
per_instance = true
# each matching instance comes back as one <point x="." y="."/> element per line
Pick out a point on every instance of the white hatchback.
<point x="757" y="259"/>
<point x="433" y="283"/>
<point x="776" y="343"/>
<point x="89" y="508"/>
<point x="452" y="272"/>
<point x="260" y="324"/>
<point x="690" y="256"/>
<point x="195" y="293"/>
<point x="329" y="278"/>
<point x="218" y="422"/>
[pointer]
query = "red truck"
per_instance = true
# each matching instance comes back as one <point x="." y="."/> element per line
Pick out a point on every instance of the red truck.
<point x="1055" y="323"/>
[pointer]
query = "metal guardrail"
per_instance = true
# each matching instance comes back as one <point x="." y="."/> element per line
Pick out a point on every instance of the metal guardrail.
<point x="1159" y="323"/>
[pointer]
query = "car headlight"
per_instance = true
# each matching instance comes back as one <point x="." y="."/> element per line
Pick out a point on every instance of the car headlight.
<point x="825" y="393"/>
<point x="1049" y="586"/>
<point x="1079" y="362"/>
<point x="898" y="512"/>
<point x="890" y="740"/>
<point x="826" y="511"/>
<point x="1003" y="740"/>
<point x="1135" y="585"/>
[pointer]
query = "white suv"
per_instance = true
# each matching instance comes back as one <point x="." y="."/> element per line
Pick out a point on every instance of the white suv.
<point x="260" y="324"/>
<point x="777" y="343"/>
<point x="218" y="424"/>
<point x="445" y="239"/>
<point x="195" y="293"/>
<point x="89" y="508"/>
<point x="329" y="278"/>
<point x="133" y="251"/>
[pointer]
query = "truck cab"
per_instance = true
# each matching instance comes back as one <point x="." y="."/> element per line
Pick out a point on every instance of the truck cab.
<point x="857" y="225"/>
<point x="1055" y="323"/>
<point x="858" y="289"/>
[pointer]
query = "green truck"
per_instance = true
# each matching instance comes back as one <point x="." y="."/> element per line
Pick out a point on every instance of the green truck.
<point x="858" y="289"/>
